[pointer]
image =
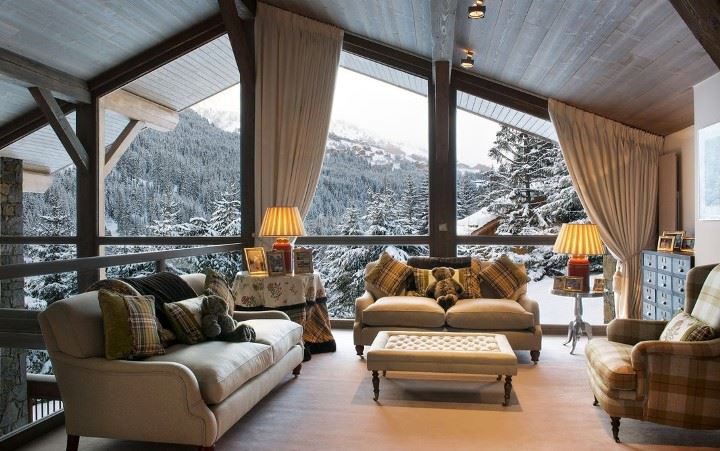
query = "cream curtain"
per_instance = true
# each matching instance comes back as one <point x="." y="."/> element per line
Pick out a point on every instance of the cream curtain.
<point x="296" y="63"/>
<point x="614" y="169"/>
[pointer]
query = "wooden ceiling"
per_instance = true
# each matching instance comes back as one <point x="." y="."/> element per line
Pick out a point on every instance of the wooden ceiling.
<point x="634" y="61"/>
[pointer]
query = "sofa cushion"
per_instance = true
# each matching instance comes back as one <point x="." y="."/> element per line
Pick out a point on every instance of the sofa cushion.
<point x="408" y="311"/>
<point x="683" y="327"/>
<point x="280" y="334"/>
<point x="220" y="367"/>
<point x="389" y="275"/>
<point x="707" y="306"/>
<point x="129" y="324"/>
<point x="489" y="314"/>
<point x="611" y="361"/>
<point x="504" y="276"/>
<point x="185" y="319"/>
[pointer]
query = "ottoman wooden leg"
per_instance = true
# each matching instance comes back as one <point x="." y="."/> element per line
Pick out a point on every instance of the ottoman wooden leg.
<point x="595" y="402"/>
<point x="615" y="423"/>
<point x="376" y="385"/>
<point x="508" y="389"/>
<point x="499" y="376"/>
<point x="296" y="370"/>
<point x="72" y="442"/>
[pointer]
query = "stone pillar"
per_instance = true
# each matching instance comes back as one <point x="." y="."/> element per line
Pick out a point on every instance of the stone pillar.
<point x="13" y="374"/>
<point x="609" y="266"/>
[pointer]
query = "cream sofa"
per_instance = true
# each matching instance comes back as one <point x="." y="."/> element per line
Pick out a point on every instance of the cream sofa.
<point x="517" y="318"/>
<point x="190" y="395"/>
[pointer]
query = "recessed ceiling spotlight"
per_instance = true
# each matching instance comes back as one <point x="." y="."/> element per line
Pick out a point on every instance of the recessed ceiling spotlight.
<point x="468" y="61"/>
<point x="477" y="10"/>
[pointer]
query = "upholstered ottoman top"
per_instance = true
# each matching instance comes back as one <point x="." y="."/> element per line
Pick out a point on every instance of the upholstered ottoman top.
<point x="442" y="352"/>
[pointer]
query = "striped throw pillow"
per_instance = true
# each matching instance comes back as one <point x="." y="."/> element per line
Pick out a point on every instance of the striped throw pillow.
<point x="684" y="327"/>
<point x="707" y="306"/>
<point x="389" y="275"/>
<point x="504" y="276"/>
<point x="185" y="318"/>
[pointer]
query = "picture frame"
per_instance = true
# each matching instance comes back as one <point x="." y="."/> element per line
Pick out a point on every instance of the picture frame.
<point x="678" y="236"/>
<point x="707" y="162"/>
<point x="303" y="260"/>
<point x="255" y="261"/>
<point x="275" y="263"/>
<point x="666" y="244"/>
<point x="559" y="283"/>
<point x="573" y="283"/>
<point x="598" y="285"/>
<point x="688" y="245"/>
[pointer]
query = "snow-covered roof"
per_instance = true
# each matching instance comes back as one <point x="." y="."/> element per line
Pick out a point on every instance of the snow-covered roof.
<point x="475" y="221"/>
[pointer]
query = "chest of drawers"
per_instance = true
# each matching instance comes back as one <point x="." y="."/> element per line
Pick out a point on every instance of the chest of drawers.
<point x="663" y="290"/>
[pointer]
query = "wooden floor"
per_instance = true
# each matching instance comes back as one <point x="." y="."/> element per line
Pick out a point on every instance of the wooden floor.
<point x="330" y="407"/>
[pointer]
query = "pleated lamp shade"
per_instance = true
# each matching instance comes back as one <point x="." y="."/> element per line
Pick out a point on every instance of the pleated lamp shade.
<point x="282" y="222"/>
<point x="579" y="239"/>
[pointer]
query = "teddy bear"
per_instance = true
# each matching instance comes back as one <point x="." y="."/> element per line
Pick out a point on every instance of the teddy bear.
<point x="444" y="289"/>
<point x="218" y="325"/>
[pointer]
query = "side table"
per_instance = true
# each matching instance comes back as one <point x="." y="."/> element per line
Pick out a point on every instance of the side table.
<point x="578" y="325"/>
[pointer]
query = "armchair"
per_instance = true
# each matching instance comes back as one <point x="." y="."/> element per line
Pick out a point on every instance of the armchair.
<point x="634" y="375"/>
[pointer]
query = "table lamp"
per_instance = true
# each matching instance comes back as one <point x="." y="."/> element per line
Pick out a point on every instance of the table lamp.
<point x="579" y="240"/>
<point x="285" y="224"/>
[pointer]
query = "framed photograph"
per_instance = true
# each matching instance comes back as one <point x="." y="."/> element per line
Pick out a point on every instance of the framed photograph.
<point x="707" y="164"/>
<point x="573" y="283"/>
<point x="599" y="285"/>
<point x="688" y="245"/>
<point x="255" y="261"/>
<point x="666" y="244"/>
<point x="559" y="283"/>
<point x="303" y="260"/>
<point x="677" y="238"/>
<point x="276" y="263"/>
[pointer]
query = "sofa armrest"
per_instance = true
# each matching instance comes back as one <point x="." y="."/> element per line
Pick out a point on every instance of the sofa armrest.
<point x="361" y="303"/>
<point x="133" y="400"/>
<point x="531" y="306"/>
<point x="260" y="314"/>
<point x="644" y="350"/>
<point x="633" y="331"/>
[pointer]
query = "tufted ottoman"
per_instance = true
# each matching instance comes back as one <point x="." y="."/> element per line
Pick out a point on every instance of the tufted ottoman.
<point x="442" y="352"/>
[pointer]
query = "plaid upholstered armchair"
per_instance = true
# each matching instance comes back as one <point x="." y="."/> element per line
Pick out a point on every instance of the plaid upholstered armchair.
<point x="635" y="375"/>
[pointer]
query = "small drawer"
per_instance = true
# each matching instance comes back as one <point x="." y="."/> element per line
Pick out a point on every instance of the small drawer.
<point x="650" y="260"/>
<point x="648" y="310"/>
<point x="649" y="277"/>
<point x="648" y="294"/>
<point x="678" y="285"/>
<point x="678" y="302"/>
<point x="662" y="314"/>
<point x="663" y="299"/>
<point x="664" y="263"/>
<point x="680" y="265"/>
<point x="664" y="281"/>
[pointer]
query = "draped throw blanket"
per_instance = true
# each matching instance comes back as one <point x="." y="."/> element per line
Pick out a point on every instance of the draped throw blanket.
<point x="614" y="169"/>
<point x="296" y="62"/>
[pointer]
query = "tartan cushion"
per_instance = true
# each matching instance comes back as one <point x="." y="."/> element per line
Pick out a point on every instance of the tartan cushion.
<point x="185" y="318"/>
<point x="129" y="326"/>
<point x="611" y="361"/>
<point x="707" y="306"/>
<point x="389" y="275"/>
<point x="143" y="326"/>
<point x="215" y="284"/>
<point x="684" y="327"/>
<point x="472" y="283"/>
<point x="504" y="276"/>
<point x="423" y="279"/>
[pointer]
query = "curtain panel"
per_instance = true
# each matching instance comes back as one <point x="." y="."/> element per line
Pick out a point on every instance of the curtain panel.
<point x="614" y="169"/>
<point x="296" y="62"/>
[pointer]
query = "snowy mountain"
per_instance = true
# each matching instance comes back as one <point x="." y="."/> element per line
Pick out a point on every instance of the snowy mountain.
<point x="228" y="121"/>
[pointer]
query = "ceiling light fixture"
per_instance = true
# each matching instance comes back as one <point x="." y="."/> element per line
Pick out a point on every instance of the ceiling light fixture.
<point x="477" y="10"/>
<point x="468" y="61"/>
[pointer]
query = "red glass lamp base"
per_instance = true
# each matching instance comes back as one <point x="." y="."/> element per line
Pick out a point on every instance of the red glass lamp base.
<point x="579" y="266"/>
<point x="284" y="245"/>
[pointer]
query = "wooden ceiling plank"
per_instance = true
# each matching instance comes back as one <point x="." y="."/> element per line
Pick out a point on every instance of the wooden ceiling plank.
<point x="442" y="15"/>
<point x="138" y="108"/>
<point x="122" y="143"/>
<point x="703" y="19"/>
<point x="496" y="52"/>
<point x="27" y="123"/>
<point x="59" y="123"/>
<point x="28" y="73"/>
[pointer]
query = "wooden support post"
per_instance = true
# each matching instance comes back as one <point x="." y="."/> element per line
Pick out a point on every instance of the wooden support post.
<point x="90" y="126"/>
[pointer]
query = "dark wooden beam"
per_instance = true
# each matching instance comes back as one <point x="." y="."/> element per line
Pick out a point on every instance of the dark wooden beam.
<point x="28" y="73"/>
<point x="157" y="56"/>
<point x="390" y="56"/>
<point x="494" y="91"/>
<point x="121" y="144"/>
<point x="28" y="123"/>
<point x="59" y="123"/>
<point x="702" y="18"/>
<point x="246" y="9"/>
<point x="442" y="17"/>
<point x="242" y="39"/>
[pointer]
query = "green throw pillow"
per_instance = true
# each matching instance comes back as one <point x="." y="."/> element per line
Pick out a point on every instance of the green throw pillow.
<point x="129" y="325"/>
<point x="186" y="317"/>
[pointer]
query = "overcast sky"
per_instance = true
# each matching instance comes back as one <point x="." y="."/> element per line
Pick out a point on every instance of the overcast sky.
<point x="391" y="113"/>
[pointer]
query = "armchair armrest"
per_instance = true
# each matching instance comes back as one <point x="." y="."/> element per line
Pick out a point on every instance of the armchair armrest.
<point x="633" y="331"/>
<point x="709" y="349"/>
<point x="261" y="314"/>
<point x="531" y="306"/>
<point x="361" y="303"/>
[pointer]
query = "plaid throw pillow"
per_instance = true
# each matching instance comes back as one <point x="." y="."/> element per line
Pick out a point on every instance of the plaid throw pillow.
<point x="707" y="306"/>
<point x="684" y="327"/>
<point x="185" y="317"/>
<point x="389" y="275"/>
<point x="423" y="279"/>
<point x="129" y="326"/>
<point x="504" y="276"/>
<point x="472" y="283"/>
<point x="215" y="284"/>
<point x="143" y="326"/>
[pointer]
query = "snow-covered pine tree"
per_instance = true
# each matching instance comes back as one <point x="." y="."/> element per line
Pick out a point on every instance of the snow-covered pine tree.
<point x="226" y="215"/>
<point x="467" y="196"/>
<point x="421" y="219"/>
<point x="404" y="224"/>
<point x="167" y="222"/>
